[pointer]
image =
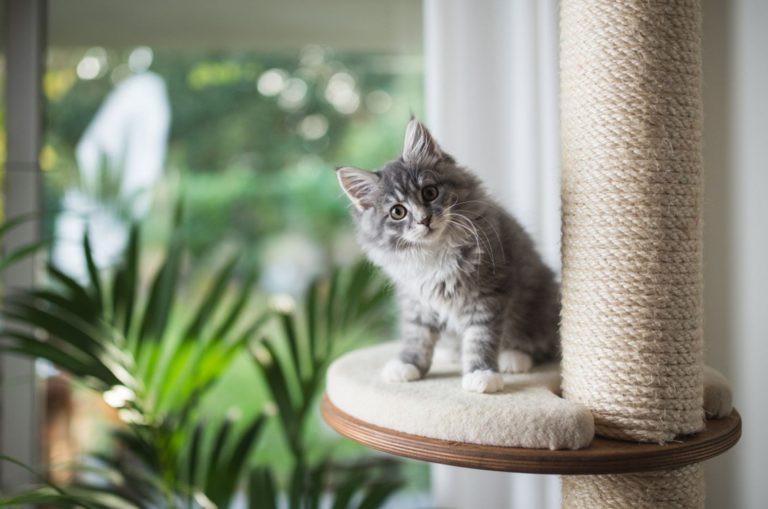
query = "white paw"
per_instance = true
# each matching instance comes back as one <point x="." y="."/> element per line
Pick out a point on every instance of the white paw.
<point x="482" y="381"/>
<point x="398" y="371"/>
<point x="515" y="361"/>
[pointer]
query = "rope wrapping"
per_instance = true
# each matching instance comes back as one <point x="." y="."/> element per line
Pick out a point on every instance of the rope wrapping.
<point x="632" y="252"/>
<point x="632" y="285"/>
<point x="668" y="489"/>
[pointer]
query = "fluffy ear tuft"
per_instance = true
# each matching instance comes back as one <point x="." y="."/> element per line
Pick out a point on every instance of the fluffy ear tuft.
<point x="419" y="145"/>
<point x="359" y="185"/>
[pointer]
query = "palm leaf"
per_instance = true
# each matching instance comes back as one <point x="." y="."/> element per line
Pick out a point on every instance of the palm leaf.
<point x="358" y="280"/>
<point x="330" y="311"/>
<point x="162" y="294"/>
<point x="315" y="483"/>
<point x="377" y="494"/>
<point x="236" y="309"/>
<point x="278" y="386"/>
<point x="93" y="273"/>
<point x="347" y="490"/>
<point x="9" y="225"/>
<point x="57" y="322"/>
<point x="169" y="378"/>
<point x="88" y="309"/>
<point x="288" y="324"/>
<point x="195" y="366"/>
<point x="27" y="345"/>
<point x="19" y="254"/>
<point x="50" y="493"/>
<point x="262" y="491"/>
<point x="125" y="284"/>
<point x="210" y="302"/>
<point x="195" y="444"/>
<point x="310" y="305"/>
<point x="239" y="453"/>
<point x="297" y="486"/>
<point x="227" y="463"/>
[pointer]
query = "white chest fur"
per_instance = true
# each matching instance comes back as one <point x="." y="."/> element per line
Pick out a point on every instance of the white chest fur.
<point x="439" y="281"/>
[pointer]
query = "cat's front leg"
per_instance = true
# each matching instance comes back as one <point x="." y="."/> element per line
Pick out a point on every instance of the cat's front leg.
<point x="480" y="353"/>
<point x="419" y="334"/>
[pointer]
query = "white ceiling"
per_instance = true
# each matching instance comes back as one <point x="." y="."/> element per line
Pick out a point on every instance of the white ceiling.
<point x="365" y="25"/>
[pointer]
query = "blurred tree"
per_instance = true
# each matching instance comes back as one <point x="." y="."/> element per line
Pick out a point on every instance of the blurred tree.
<point x="254" y="136"/>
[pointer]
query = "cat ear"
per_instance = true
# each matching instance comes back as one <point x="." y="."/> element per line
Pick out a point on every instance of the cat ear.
<point x="419" y="145"/>
<point x="359" y="185"/>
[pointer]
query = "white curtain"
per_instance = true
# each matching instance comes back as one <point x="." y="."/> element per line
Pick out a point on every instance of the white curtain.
<point x="492" y="102"/>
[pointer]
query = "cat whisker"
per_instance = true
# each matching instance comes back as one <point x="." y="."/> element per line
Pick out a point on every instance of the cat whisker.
<point x="498" y="238"/>
<point x="495" y="231"/>
<point x="476" y="232"/>
<point x="471" y="229"/>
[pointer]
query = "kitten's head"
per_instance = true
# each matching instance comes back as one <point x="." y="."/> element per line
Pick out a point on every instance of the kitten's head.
<point x="415" y="202"/>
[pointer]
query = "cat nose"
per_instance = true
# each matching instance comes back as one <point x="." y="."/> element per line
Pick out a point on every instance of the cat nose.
<point x="427" y="220"/>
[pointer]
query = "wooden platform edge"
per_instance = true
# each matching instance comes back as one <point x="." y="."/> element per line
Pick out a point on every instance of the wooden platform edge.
<point x="603" y="456"/>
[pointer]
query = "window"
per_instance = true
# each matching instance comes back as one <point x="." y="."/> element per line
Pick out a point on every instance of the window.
<point x="241" y="113"/>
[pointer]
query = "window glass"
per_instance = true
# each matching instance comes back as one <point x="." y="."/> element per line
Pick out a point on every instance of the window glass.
<point x="247" y="136"/>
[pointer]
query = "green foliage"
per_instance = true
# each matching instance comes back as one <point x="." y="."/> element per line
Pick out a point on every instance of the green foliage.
<point x="9" y="259"/>
<point x="248" y="172"/>
<point x="294" y="361"/>
<point x="221" y="121"/>
<point x="111" y="333"/>
<point x="117" y="336"/>
<point x="249" y="175"/>
<point x="252" y="207"/>
<point x="294" y="364"/>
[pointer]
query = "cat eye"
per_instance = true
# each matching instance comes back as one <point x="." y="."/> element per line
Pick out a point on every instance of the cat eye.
<point x="397" y="212"/>
<point x="429" y="193"/>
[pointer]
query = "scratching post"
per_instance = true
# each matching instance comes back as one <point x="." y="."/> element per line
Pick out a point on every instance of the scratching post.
<point x="632" y="281"/>
<point x="681" y="488"/>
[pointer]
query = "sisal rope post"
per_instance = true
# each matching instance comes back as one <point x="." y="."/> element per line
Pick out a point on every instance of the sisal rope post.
<point x="682" y="488"/>
<point x="631" y="199"/>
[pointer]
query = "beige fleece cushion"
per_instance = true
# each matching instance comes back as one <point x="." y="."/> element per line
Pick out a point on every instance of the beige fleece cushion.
<point x="527" y="413"/>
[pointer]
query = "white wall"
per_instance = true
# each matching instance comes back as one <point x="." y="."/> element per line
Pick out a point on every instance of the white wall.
<point x="735" y="63"/>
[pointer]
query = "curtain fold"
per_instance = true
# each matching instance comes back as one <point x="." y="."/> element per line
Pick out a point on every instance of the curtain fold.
<point x="491" y="71"/>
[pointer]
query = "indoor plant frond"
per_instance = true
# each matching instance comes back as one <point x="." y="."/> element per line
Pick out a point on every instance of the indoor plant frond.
<point x="293" y="360"/>
<point x="8" y="259"/>
<point x="154" y="362"/>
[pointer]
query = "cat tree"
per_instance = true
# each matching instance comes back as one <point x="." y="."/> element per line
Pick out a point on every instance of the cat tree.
<point x="634" y="389"/>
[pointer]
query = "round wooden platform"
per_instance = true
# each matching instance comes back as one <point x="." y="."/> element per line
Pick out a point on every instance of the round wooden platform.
<point x="603" y="456"/>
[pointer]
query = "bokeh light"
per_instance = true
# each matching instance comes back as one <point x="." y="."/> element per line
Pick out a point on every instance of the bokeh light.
<point x="342" y="94"/>
<point x="313" y="127"/>
<point x="140" y="59"/>
<point x="93" y="64"/>
<point x="294" y="94"/>
<point x="378" y="102"/>
<point x="272" y="82"/>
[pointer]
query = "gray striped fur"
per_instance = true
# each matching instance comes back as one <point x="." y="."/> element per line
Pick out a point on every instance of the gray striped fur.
<point x="472" y="273"/>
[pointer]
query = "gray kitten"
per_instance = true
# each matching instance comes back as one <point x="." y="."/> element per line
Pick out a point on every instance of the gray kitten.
<point x="463" y="267"/>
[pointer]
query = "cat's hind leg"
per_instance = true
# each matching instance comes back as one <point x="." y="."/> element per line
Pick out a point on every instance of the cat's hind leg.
<point x="398" y="371"/>
<point x="482" y="381"/>
<point x="515" y="361"/>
